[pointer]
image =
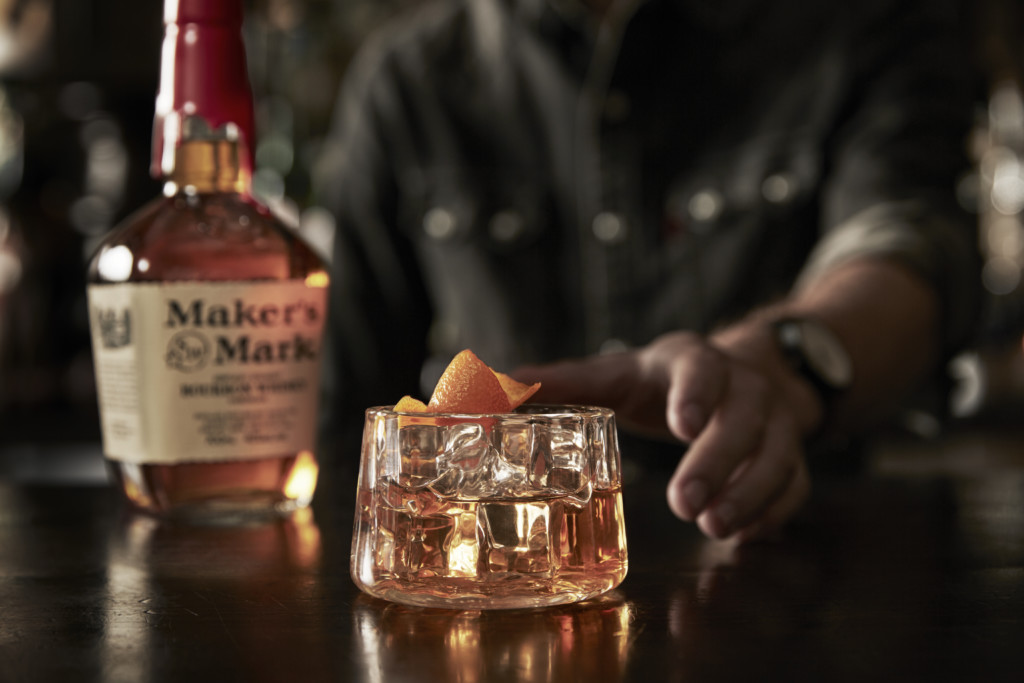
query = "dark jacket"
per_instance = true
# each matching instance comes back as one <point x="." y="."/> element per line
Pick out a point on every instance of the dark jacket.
<point x="510" y="178"/>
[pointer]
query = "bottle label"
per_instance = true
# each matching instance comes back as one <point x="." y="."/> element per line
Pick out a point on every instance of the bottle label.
<point x="207" y="371"/>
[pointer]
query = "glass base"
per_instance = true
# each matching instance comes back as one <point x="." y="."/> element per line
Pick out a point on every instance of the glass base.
<point x="515" y="592"/>
<point x="227" y="512"/>
<point x="220" y="493"/>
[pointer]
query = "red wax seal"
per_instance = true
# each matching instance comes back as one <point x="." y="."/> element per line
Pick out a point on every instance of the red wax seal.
<point x="204" y="73"/>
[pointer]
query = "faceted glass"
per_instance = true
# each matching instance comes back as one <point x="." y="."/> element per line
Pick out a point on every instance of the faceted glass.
<point x="511" y="510"/>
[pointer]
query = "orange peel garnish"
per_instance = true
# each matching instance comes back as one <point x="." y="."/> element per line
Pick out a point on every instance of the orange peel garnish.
<point x="468" y="385"/>
<point x="408" y="404"/>
<point x="517" y="392"/>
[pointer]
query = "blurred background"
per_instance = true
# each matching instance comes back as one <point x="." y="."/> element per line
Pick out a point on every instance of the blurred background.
<point x="77" y="85"/>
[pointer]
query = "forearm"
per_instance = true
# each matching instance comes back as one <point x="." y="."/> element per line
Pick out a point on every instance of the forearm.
<point x="886" y="317"/>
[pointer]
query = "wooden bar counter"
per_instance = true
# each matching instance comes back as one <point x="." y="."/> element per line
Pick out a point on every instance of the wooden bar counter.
<point x="910" y="570"/>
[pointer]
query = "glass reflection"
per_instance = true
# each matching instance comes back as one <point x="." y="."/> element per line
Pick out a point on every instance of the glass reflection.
<point x="163" y="549"/>
<point x="251" y="589"/>
<point x="586" y="641"/>
<point x="750" y="603"/>
<point x="863" y="577"/>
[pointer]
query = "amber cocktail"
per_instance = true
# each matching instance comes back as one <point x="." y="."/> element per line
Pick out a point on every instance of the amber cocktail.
<point x="509" y="510"/>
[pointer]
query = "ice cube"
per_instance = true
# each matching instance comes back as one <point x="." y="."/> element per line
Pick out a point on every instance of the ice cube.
<point x="419" y="446"/>
<point x="560" y="463"/>
<point x="516" y="536"/>
<point x="448" y="484"/>
<point x="425" y="544"/>
<point x="567" y="447"/>
<point x="573" y="484"/>
<point x="396" y="495"/>
<point x="494" y="477"/>
<point x="407" y="455"/>
<point x="514" y="440"/>
<point x="481" y="463"/>
<point x="462" y="547"/>
<point x="463" y="446"/>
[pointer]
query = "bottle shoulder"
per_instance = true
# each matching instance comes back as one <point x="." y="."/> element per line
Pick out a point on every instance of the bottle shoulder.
<point x="217" y="236"/>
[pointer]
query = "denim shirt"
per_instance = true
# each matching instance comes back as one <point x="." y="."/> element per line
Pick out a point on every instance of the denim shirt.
<point x="516" y="178"/>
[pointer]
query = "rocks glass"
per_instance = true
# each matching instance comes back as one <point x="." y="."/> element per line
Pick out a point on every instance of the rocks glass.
<point x="510" y="510"/>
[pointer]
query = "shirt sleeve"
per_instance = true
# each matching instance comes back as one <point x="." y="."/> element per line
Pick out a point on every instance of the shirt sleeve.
<point x="895" y="163"/>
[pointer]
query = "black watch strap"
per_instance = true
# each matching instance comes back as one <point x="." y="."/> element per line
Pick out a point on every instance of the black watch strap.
<point x="816" y="354"/>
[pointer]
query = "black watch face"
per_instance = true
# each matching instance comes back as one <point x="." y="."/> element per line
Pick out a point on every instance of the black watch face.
<point x="826" y="355"/>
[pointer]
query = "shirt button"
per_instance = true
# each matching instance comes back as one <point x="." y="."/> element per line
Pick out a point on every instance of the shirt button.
<point x="609" y="227"/>
<point x="506" y="226"/>
<point x="779" y="188"/>
<point x="705" y="205"/>
<point x="439" y="223"/>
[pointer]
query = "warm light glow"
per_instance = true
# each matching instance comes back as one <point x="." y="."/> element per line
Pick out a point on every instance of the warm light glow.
<point x="302" y="482"/>
<point x="463" y="648"/>
<point x="170" y="10"/>
<point x="134" y="485"/>
<point x="171" y="135"/>
<point x="318" y="280"/>
<point x="465" y="551"/>
<point x="165" y="96"/>
<point x="115" y="264"/>
<point x="305" y="541"/>
<point x="624" y="614"/>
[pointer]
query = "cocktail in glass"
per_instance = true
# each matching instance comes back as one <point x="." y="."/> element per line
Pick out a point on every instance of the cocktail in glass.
<point x="510" y="510"/>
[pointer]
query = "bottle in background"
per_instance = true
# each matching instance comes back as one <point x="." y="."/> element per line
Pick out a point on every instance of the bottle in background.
<point x="206" y="311"/>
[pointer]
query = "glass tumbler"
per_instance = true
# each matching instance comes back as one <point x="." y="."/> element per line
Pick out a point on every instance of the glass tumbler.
<point x="510" y="510"/>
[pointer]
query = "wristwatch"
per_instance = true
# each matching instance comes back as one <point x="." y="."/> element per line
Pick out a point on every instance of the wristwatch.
<point x="816" y="354"/>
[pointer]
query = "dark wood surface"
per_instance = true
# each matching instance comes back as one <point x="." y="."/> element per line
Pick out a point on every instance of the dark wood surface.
<point x="912" y="570"/>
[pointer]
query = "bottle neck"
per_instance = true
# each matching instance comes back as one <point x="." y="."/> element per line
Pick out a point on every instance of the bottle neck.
<point x="203" y="125"/>
<point x="209" y="165"/>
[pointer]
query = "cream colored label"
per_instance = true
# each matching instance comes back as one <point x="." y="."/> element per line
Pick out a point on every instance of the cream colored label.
<point x="203" y="372"/>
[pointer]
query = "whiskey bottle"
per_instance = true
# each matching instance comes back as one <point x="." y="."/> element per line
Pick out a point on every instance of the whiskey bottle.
<point x="206" y="310"/>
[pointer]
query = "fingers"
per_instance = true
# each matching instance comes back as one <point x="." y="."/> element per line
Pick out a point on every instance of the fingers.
<point x="698" y="380"/>
<point x="735" y="431"/>
<point x="769" y="487"/>
<point x="744" y="472"/>
<point x="670" y="387"/>
<point x="746" y="469"/>
<point x="631" y="383"/>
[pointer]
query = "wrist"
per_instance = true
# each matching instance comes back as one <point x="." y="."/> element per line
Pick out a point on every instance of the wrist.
<point x="815" y="354"/>
<point x="799" y="356"/>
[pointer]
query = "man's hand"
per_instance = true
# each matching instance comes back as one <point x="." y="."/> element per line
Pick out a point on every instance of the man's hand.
<point x="744" y="471"/>
<point x="744" y="412"/>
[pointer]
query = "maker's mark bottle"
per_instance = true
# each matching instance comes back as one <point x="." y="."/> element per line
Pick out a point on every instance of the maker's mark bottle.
<point x="206" y="311"/>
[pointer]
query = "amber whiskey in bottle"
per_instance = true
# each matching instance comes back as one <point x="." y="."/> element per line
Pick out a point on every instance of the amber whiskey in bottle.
<point x="206" y="310"/>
